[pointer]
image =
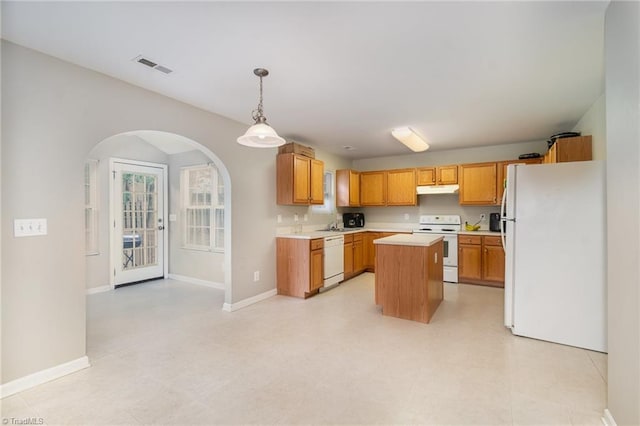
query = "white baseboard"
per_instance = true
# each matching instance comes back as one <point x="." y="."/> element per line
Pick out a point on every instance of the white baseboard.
<point x="607" y="419"/>
<point x="230" y="307"/>
<point x="197" y="281"/>
<point x="43" y="376"/>
<point x="100" y="289"/>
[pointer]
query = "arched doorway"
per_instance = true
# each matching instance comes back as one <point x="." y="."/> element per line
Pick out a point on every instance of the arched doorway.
<point x="178" y="153"/>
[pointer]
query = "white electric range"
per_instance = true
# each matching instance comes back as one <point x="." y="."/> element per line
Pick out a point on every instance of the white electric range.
<point x="447" y="226"/>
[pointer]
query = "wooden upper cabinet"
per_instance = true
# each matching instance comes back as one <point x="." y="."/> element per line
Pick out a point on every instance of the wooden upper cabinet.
<point x="316" y="184"/>
<point x="299" y="180"/>
<point x="578" y="148"/>
<point x="478" y="184"/>
<point x="447" y="175"/>
<point x="347" y="188"/>
<point x="426" y="176"/>
<point x="440" y="175"/>
<point x="388" y="188"/>
<point x="373" y="188"/>
<point x="401" y="187"/>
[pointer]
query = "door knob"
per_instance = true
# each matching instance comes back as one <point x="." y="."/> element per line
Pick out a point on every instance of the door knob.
<point x="160" y="228"/>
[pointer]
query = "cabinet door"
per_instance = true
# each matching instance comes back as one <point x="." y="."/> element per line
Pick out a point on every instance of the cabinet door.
<point x="301" y="183"/>
<point x="358" y="256"/>
<point x="469" y="262"/>
<point x="493" y="265"/>
<point x="478" y="184"/>
<point x="316" y="182"/>
<point x="354" y="188"/>
<point x="347" y="188"/>
<point x="573" y="149"/>
<point x="373" y="187"/>
<point x="447" y="175"/>
<point x="401" y="187"/>
<point x="317" y="270"/>
<point x="426" y="176"/>
<point x="348" y="259"/>
<point x="369" y="249"/>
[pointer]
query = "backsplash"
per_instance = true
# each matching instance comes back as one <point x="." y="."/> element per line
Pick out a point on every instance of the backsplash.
<point x="429" y="204"/>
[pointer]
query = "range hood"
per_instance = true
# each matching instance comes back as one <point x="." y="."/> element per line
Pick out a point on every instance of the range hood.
<point x="438" y="189"/>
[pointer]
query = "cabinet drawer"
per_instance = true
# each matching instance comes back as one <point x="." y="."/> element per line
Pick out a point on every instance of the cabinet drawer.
<point x="317" y="244"/>
<point x="348" y="238"/>
<point x="492" y="241"/>
<point x="357" y="237"/>
<point x="470" y="239"/>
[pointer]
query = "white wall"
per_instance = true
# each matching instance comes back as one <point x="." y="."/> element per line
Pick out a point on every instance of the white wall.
<point x="593" y="123"/>
<point x="441" y="204"/>
<point x="199" y="264"/>
<point x="127" y="147"/>
<point x="622" y="85"/>
<point x="53" y="114"/>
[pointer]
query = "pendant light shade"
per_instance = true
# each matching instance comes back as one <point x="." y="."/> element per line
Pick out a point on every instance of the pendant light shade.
<point x="260" y="135"/>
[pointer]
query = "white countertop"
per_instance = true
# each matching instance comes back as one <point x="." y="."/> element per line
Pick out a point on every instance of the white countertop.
<point x="310" y="235"/>
<point x="424" y="240"/>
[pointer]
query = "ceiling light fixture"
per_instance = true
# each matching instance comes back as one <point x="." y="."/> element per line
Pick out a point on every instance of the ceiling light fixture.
<point x="410" y="139"/>
<point x="260" y="135"/>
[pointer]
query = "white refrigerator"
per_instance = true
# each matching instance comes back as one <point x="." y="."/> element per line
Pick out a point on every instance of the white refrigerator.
<point x="554" y="235"/>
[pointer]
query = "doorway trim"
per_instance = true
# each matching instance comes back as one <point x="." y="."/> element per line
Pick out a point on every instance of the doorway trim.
<point x="112" y="214"/>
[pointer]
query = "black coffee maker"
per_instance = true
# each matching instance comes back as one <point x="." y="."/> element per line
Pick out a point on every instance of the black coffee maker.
<point x="494" y="222"/>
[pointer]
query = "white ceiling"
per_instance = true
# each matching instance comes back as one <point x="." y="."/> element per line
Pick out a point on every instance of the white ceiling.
<point x="345" y="73"/>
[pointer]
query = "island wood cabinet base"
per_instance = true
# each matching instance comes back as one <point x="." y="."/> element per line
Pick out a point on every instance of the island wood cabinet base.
<point x="409" y="280"/>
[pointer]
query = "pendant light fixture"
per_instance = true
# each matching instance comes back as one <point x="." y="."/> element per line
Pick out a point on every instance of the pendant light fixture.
<point x="260" y="135"/>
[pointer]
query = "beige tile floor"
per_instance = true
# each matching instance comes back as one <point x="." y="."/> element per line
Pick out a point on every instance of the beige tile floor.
<point x="165" y="353"/>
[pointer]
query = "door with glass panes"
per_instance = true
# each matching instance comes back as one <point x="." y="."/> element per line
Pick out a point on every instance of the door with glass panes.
<point x="138" y="221"/>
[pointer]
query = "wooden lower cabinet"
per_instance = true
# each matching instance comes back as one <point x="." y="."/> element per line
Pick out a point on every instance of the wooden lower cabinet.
<point x="358" y="254"/>
<point x="493" y="261"/>
<point x="353" y="255"/>
<point x="469" y="262"/>
<point x="299" y="266"/>
<point x="480" y="260"/>
<point x="369" y="252"/>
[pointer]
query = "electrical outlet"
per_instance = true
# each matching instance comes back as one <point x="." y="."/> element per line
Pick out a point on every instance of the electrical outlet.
<point x="482" y="217"/>
<point x="29" y="227"/>
<point x="279" y="218"/>
<point x="305" y="217"/>
<point x="295" y="217"/>
<point x="256" y="276"/>
<point x="406" y="216"/>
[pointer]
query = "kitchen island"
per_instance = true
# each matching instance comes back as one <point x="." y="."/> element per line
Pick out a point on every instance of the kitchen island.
<point x="409" y="272"/>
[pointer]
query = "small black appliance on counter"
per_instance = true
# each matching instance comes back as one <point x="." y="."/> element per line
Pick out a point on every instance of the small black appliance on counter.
<point x="494" y="222"/>
<point x="353" y="220"/>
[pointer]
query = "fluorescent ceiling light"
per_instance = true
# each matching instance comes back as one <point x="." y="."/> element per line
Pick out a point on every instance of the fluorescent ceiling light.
<point x="410" y="139"/>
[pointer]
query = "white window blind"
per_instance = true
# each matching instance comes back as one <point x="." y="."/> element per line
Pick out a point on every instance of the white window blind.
<point x="202" y="208"/>
<point x="91" y="207"/>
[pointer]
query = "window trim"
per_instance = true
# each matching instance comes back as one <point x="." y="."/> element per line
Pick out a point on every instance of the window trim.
<point x="91" y="230"/>
<point x="185" y="205"/>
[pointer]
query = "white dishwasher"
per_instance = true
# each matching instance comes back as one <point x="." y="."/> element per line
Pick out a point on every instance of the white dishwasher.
<point x="333" y="260"/>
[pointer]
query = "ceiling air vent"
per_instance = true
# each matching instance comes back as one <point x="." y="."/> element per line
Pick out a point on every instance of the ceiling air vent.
<point x="151" y="64"/>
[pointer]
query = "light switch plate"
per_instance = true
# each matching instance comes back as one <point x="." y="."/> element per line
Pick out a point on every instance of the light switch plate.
<point x="173" y="217"/>
<point x="29" y="227"/>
